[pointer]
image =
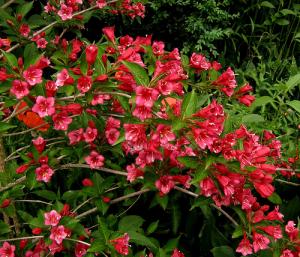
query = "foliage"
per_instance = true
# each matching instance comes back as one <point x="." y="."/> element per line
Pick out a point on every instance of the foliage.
<point x="116" y="146"/>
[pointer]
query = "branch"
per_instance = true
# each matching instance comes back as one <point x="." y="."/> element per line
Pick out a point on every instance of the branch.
<point x="116" y="200"/>
<point x="20" y="238"/>
<point x="53" y="24"/>
<point x="33" y="201"/>
<point x="78" y="241"/>
<point x="15" y="112"/>
<point x="212" y="204"/>
<point x="18" y="181"/>
<point x="7" y="4"/>
<point x="25" y="131"/>
<point x="287" y="182"/>
<point x="85" y="166"/>
<point x="292" y="170"/>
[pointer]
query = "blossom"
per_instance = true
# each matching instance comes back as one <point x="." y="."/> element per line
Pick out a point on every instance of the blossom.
<point x="19" y="88"/>
<point x="158" y="47"/>
<point x="84" y="84"/>
<point x="260" y="242"/>
<point x="91" y="52"/>
<point x="87" y="182"/>
<point x="58" y="234"/>
<point x="44" y="173"/>
<point x="39" y="144"/>
<point x="63" y="78"/>
<point x="52" y="218"/>
<point x="146" y="96"/>
<point x="121" y="244"/>
<point x="133" y="173"/>
<point x="41" y="43"/>
<point x="164" y="184"/>
<point x="198" y="61"/>
<point x="94" y="160"/>
<point x="227" y="82"/>
<point x="177" y="253"/>
<point x="24" y="30"/>
<point x="109" y="32"/>
<point x="90" y="134"/>
<point x="65" y="12"/>
<point x="44" y="106"/>
<point x="244" y="246"/>
<point x="5" y="203"/>
<point x="75" y="136"/>
<point x="61" y="121"/>
<point x="80" y="249"/>
<point x="7" y="250"/>
<point x="100" y="4"/>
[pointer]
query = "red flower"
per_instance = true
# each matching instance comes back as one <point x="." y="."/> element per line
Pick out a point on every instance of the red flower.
<point x="58" y="234"/>
<point x="94" y="160"/>
<point x="84" y="84"/>
<point x="65" y="12"/>
<point x="44" y="173"/>
<point x="177" y="253"/>
<point x="164" y="184"/>
<point x="39" y="144"/>
<point x="19" y="88"/>
<point x="260" y="242"/>
<point x="7" y="250"/>
<point x="199" y="61"/>
<point x="91" y="52"/>
<point x="109" y="32"/>
<point x="87" y="182"/>
<point x="121" y="244"/>
<point x="244" y="247"/>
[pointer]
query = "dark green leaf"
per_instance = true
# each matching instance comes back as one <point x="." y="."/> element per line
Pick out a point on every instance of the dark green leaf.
<point x="11" y="59"/>
<point x="189" y="161"/>
<point x="140" y="239"/>
<point x="152" y="227"/>
<point x="295" y="104"/>
<point x="138" y="72"/>
<point x="24" y="8"/>
<point x="130" y="223"/>
<point x="49" y="195"/>
<point x="5" y="126"/>
<point x="275" y="198"/>
<point x="223" y="251"/>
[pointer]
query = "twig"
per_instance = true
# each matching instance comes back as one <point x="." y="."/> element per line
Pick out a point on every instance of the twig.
<point x="82" y="204"/>
<point x="7" y="4"/>
<point x="33" y="201"/>
<point x="15" y="113"/>
<point x="18" y="181"/>
<point x="287" y="182"/>
<point x="53" y="24"/>
<point x="20" y="238"/>
<point x="123" y="212"/>
<point x="25" y="131"/>
<point x="119" y="199"/>
<point x="74" y="165"/>
<point x="78" y="241"/>
<point x="283" y="169"/>
<point x="213" y="205"/>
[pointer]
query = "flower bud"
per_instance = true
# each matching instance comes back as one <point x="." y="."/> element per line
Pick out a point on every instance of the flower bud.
<point x="5" y="203"/>
<point x="91" y="52"/>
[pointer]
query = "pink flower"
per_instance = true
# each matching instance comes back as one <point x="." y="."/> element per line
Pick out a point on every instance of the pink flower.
<point x="90" y="134"/>
<point x="142" y="112"/>
<point x="52" y="218"/>
<point x="65" y="12"/>
<point x="101" y="3"/>
<point x="91" y="52"/>
<point x="75" y="136"/>
<point x="39" y="144"/>
<point x="44" y="106"/>
<point x="146" y="96"/>
<point x="260" y="242"/>
<point x="80" y="249"/>
<point x="112" y="135"/>
<point x="244" y="247"/>
<point x="58" y="234"/>
<point x="133" y="173"/>
<point x="24" y="30"/>
<point x="7" y="250"/>
<point x="33" y="75"/>
<point x="61" y="121"/>
<point x="177" y="253"/>
<point x="273" y="231"/>
<point x="99" y="99"/>
<point x="109" y="32"/>
<point x="198" y="61"/>
<point x="95" y="160"/>
<point x="121" y="244"/>
<point x="287" y="253"/>
<point x="164" y="184"/>
<point x="158" y="47"/>
<point x="291" y="230"/>
<point x="62" y="77"/>
<point x="41" y="43"/>
<point x="84" y="84"/>
<point x="227" y="80"/>
<point x="44" y="173"/>
<point x="19" y="88"/>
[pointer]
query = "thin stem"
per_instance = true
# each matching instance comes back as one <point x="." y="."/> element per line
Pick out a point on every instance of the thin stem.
<point x="20" y="238"/>
<point x="284" y="169"/>
<point x="33" y="201"/>
<point x="77" y="241"/>
<point x="82" y="204"/>
<point x="116" y="200"/>
<point x="213" y="205"/>
<point x="10" y="185"/>
<point x="25" y="131"/>
<point x="287" y="182"/>
<point x="74" y="165"/>
<point x="7" y="4"/>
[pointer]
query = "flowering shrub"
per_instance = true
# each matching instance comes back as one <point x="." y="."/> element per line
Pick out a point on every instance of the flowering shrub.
<point x="88" y="126"/>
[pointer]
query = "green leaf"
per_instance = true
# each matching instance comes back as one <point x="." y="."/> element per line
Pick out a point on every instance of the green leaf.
<point x="49" y="195"/>
<point x="176" y="216"/>
<point x="25" y="216"/>
<point x="4" y="228"/>
<point x="138" y="72"/>
<point x="24" y="8"/>
<point x="275" y="198"/>
<point x="261" y="101"/>
<point x="31" y="55"/>
<point x="189" y="161"/>
<point x="130" y="223"/>
<point x="5" y="126"/>
<point x="200" y="174"/>
<point x="282" y="22"/>
<point x="252" y="118"/>
<point x="152" y="227"/>
<point x="295" y="104"/>
<point x="189" y="104"/>
<point x="162" y="200"/>
<point x="103" y="229"/>
<point x="222" y="251"/>
<point x="101" y="206"/>
<point x="97" y="246"/>
<point x="292" y="82"/>
<point x="267" y="4"/>
<point x="11" y="59"/>
<point x="238" y="232"/>
<point x="140" y="239"/>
